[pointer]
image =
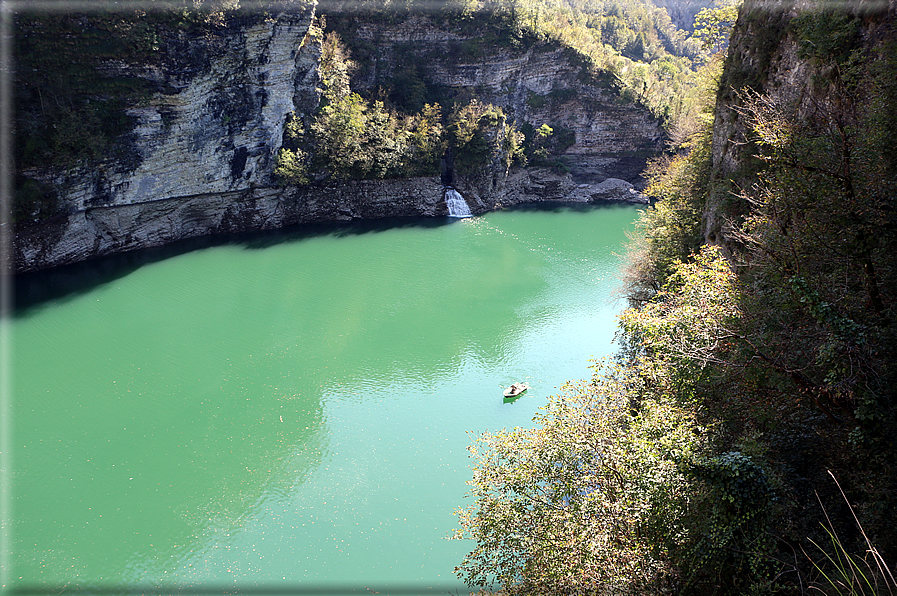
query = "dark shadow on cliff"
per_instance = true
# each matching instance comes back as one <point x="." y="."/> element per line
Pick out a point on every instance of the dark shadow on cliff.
<point x="35" y="290"/>
<point x="337" y="229"/>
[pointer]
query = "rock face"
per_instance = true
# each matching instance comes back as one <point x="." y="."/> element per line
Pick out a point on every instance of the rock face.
<point x="117" y="228"/>
<point x="206" y="145"/>
<point x="763" y="67"/>
<point x="541" y="84"/>
<point x="217" y="132"/>
<point x="101" y="230"/>
<point x="536" y="185"/>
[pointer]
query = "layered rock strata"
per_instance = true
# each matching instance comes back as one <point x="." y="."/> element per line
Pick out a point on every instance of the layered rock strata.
<point x="102" y="230"/>
<point x="541" y="84"/>
<point x="205" y="144"/>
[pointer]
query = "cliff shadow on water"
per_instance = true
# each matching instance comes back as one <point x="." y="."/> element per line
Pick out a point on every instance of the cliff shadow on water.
<point x="34" y="290"/>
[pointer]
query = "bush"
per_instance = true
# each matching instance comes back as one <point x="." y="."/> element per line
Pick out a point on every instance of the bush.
<point x="670" y="230"/>
<point x="477" y="133"/>
<point x="290" y="167"/>
<point x="351" y="138"/>
<point x="579" y="504"/>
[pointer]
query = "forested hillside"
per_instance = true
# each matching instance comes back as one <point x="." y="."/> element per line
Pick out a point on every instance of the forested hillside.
<point x="634" y="40"/>
<point x="744" y="439"/>
<point x="379" y="119"/>
<point x="400" y="122"/>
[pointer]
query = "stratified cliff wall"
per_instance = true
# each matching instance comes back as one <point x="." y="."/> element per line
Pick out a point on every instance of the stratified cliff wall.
<point x="203" y="145"/>
<point x="539" y="84"/>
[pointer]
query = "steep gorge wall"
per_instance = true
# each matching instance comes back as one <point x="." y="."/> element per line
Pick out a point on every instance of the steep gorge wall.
<point x="206" y="139"/>
<point x="539" y="83"/>
<point x="763" y="59"/>
<point x="768" y="55"/>
<point x="205" y="145"/>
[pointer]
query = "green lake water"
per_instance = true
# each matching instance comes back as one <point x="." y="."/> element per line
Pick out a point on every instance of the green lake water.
<point x="291" y="412"/>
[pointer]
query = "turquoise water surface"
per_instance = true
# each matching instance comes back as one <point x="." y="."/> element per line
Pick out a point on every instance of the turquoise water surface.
<point x="291" y="412"/>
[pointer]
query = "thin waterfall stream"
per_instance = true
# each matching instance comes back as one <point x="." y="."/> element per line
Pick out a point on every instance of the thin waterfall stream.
<point x="457" y="206"/>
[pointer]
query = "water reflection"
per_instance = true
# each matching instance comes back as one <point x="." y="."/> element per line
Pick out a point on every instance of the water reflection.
<point x="33" y="289"/>
<point x="295" y="415"/>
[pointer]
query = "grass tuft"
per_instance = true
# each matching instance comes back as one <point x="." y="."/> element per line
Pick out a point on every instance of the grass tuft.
<point x="843" y="573"/>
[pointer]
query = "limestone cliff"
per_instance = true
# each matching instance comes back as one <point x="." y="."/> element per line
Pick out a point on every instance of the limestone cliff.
<point x="205" y="140"/>
<point x="539" y="84"/>
<point x="202" y="145"/>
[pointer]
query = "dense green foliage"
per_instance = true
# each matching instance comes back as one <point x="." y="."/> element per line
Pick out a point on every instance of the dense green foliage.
<point x="680" y="180"/>
<point x="713" y="25"/>
<point x="629" y="44"/>
<point x="560" y="508"/>
<point x="765" y="368"/>
<point x="350" y="137"/>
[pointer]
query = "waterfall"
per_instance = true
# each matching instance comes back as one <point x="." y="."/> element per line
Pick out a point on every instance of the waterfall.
<point x="457" y="206"/>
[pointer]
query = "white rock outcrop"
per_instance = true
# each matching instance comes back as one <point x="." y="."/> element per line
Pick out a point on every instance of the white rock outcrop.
<point x="218" y="133"/>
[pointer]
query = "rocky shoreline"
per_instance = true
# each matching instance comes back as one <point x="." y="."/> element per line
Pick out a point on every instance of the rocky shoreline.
<point x="103" y="230"/>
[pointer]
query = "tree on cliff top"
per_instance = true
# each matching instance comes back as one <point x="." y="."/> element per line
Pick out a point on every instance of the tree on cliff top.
<point x="355" y="138"/>
<point x="713" y="26"/>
